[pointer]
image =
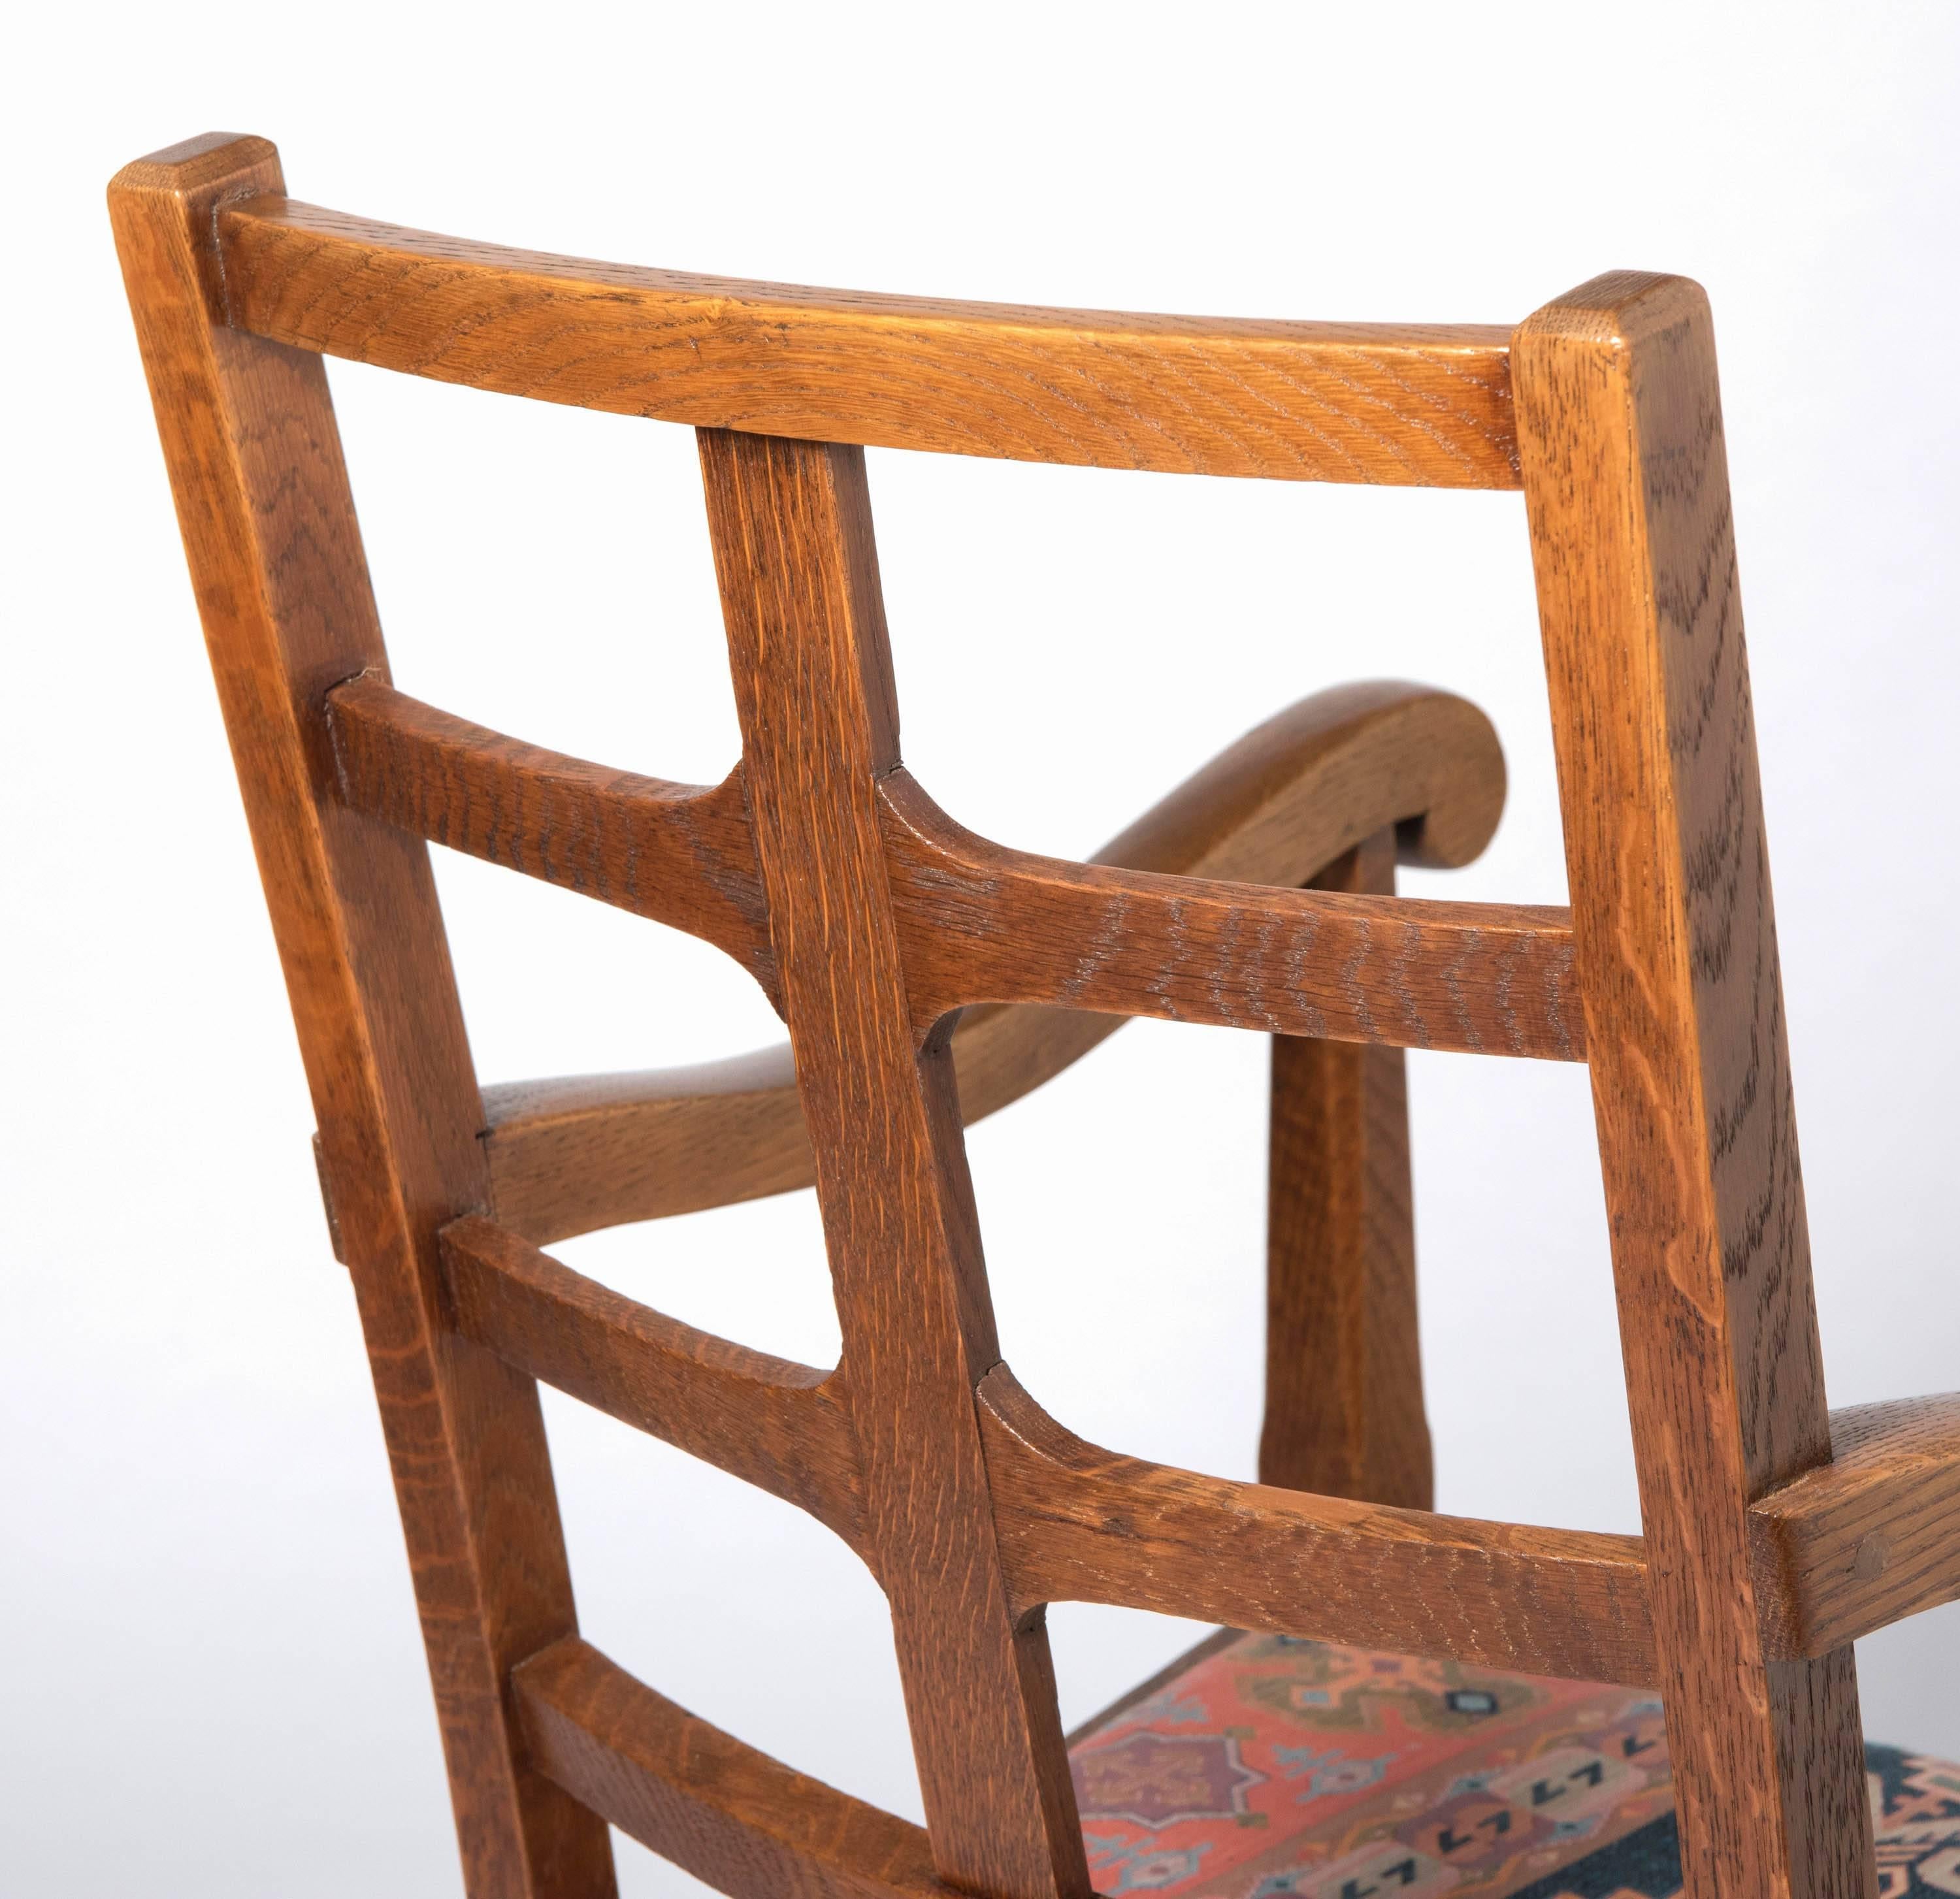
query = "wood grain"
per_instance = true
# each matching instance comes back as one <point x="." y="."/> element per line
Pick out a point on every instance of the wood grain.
<point x="1080" y="1525"/>
<point x="1281" y="803"/>
<point x="1626" y="486"/>
<point x="1423" y="403"/>
<point x="1870" y="1537"/>
<point x="779" y="1425"/>
<point x="807" y="646"/>
<point x="983" y="923"/>
<point x="927" y="975"/>
<point x="281" y="584"/>
<point x="573" y="1153"/>
<point x="745" y="1825"/>
<point x="1343" y="1410"/>
<point x="681" y="854"/>
<point x="1275" y="807"/>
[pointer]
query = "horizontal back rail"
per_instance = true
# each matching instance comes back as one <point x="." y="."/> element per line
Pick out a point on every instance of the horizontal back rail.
<point x="681" y="854"/>
<point x="778" y="1425"/>
<point x="1423" y="404"/>
<point x="982" y="923"/>
<point x="1846" y="1549"/>
<point x="744" y="1822"/>
<point x="1079" y="1525"/>
<point x="1276" y="807"/>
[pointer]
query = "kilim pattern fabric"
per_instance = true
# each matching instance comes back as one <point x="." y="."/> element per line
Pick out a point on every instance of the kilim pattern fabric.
<point x="1270" y="1766"/>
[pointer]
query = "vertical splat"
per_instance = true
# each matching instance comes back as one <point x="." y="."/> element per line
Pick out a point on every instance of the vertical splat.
<point x="276" y="557"/>
<point x="792" y="530"/>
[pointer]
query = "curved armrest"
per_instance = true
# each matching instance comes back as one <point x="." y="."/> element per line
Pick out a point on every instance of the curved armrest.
<point x="572" y="1155"/>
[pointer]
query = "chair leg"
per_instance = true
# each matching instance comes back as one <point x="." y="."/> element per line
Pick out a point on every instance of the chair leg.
<point x="1343" y="1411"/>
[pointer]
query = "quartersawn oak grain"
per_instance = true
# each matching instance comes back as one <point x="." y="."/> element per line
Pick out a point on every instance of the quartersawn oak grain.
<point x="1626" y="490"/>
<point x="743" y="1823"/>
<point x="281" y="583"/>
<point x="1079" y="1524"/>
<point x="680" y="854"/>
<point x="1428" y="404"/>
<point x="810" y="657"/>
<point x="1276" y="807"/>
<point x="1858" y="1543"/>
<point x="773" y="1423"/>
<point x="1773" y="1534"/>
<point x="983" y="923"/>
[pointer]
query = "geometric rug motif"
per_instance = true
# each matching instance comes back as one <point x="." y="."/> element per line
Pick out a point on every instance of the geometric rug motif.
<point x="1273" y="1768"/>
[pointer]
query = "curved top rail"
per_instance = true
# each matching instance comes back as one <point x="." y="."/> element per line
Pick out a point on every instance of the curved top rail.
<point x="1420" y="405"/>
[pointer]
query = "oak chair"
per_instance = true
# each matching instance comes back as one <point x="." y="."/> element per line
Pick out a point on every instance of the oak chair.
<point x="928" y="976"/>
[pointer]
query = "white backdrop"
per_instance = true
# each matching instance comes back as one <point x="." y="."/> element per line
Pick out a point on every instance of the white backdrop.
<point x="215" y="1672"/>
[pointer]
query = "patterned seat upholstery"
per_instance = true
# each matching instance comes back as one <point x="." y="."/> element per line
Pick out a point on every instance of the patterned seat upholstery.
<point x="1260" y="1766"/>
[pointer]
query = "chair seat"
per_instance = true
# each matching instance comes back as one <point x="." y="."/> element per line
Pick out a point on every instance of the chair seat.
<point x="1262" y="1765"/>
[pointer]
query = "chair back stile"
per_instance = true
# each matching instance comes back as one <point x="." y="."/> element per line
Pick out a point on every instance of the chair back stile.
<point x="1627" y="487"/>
<point x="254" y="458"/>
<point x="928" y="976"/>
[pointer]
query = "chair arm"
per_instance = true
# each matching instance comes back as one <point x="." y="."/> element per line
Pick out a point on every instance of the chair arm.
<point x="1870" y="1537"/>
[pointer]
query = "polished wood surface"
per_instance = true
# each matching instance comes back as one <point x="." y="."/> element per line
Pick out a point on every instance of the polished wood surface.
<point x="1276" y="807"/>
<point x="1856" y="1545"/>
<point x="1079" y="1524"/>
<point x="982" y="922"/>
<point x="573" y="1153"/>
<point x="772" y="1423"/>
<point x="679" y="853"/>
<point x="744" y="1823"/>
<point x="1428" y="404"/>
<point x="281" y="582"/>
<point x="928" y="976"/>
<point x="1344" y="1412"/>
<point x="811" y="665"/>
<point x="1626" y="486"/>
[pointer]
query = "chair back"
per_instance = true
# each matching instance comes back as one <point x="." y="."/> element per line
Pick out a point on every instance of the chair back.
<point x="927" y="974"/>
